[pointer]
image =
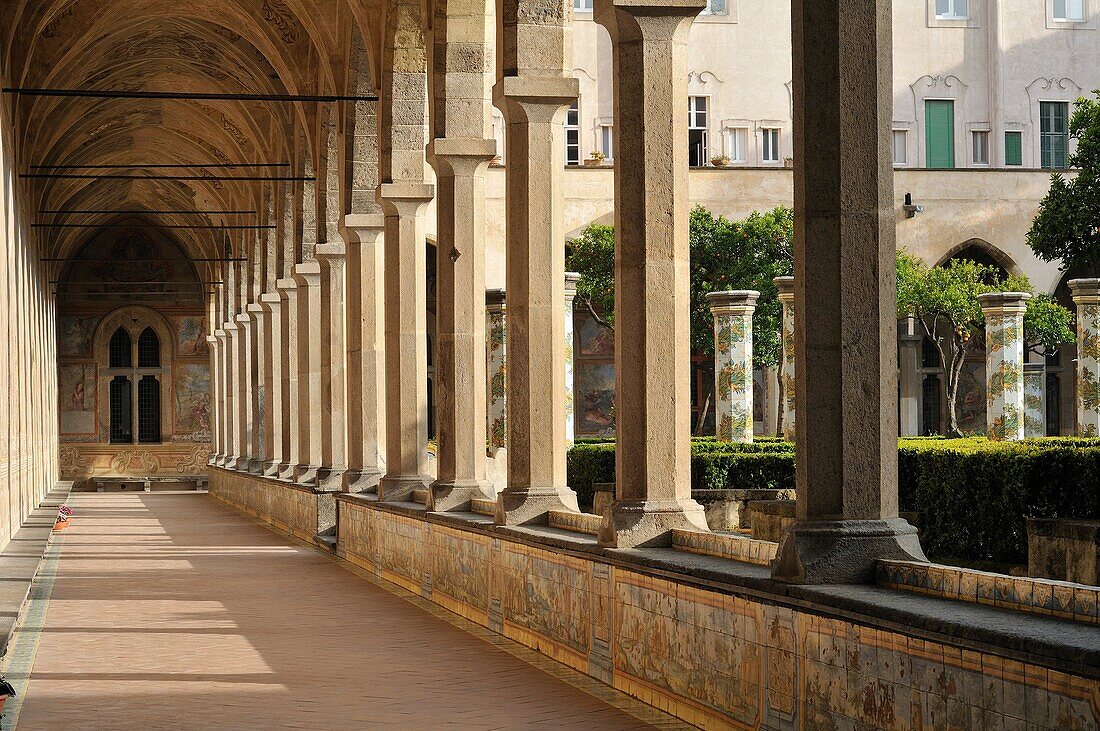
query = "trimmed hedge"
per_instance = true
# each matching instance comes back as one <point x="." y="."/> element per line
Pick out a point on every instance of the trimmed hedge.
<point x="975" y="495"/>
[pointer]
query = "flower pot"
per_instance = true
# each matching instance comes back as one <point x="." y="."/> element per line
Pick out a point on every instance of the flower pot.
<point x="590" y="163"/>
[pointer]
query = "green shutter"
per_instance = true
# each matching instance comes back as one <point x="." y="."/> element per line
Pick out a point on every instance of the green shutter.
<point x="939" y="133"/>
<point x="1014" y="148"/>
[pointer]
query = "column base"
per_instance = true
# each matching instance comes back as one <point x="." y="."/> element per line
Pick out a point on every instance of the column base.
<point x="233" y="463"/>
<point x="454" y="497"/>
<point x="399" y="488"/>
<point x="843" y="551"/>
<point x="532" y="505"/>
<point x="286" y="471"/>
<point x="256" y="466"/>
<point x="649" y="523"/>
<point x="216" y="460"/>
<point x="270" y="469"/>
<point x="360" y="481"/>
<point x="306" y="474"/>
<point x="331" y="479"/>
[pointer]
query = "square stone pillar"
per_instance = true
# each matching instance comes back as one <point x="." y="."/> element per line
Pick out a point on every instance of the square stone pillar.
<point x="571" y="279"/>
<point x="845" y="298"/>
<point x="333" y="461"/>
<point x="652" y="307"/>
<point x="231" y="366"/>
<point x="460" y="322"/>
<point x="1086" y="295"/>
<point x="535" y="108"/>
<point x="257" y="388"/>
<point x="406" y="340"/>
<point x="311" y="401"/>
<point x="1004" y="363"/>
<point x="787" y="365"/>
<point x="496" y="418"/>
<point x="733" y="384"/>
<point x="910" y="341"/>
<point x="365" y="351"/>
<point x="288" y="327"/>
<point x="217" y="407"/>
<point x="275" y="362"/>
<point x="244" y="383"/>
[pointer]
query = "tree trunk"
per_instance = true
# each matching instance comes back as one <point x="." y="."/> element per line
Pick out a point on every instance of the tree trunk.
<point x="954" y="372"/>
<point x="703" y="414"/>
<point x="782" y="396"/>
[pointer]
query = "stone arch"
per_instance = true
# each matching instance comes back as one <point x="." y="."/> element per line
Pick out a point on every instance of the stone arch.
<point x="985" y="252"/>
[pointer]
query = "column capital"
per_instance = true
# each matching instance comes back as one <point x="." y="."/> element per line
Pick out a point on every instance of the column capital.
<point x="1003" y="303"/>
<point x="463" y="156"/>
<point x="909" y="333"/>
<point x="285" y="285"/>
<point x="413" y="192"/>
<point x="495" y="300"/>
<point x="360" y="226"/>
<point x="1085" y="291"/>
<point x="330" y="252"/>
<point x="647" y="11"/>
<point x="571" y="280"/>
<point x="543" y="90"/>
<point x="213" y="341"/>
<point x="270" y="300"/>
<point x="254" y="308"/>
<point x="219" y="334"/>
<point x="785" y="285"/>
<point x="243" y="318"/>
<point x="733" y="302"/>
<point x="308" y="274"/>
<point x="230" y="328"/>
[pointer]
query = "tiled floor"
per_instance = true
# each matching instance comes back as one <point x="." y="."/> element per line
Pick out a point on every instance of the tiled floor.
<point x="173" y="612"/>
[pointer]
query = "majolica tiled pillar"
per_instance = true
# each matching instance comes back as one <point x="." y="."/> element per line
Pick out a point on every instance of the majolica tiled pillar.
<point x="733" y="385"/>
<point x="406" y="340"/>
<point x="652" y="307"/>
<point x="365" y="353"/>
<point x="1086" y="295"/>
<point x="275" y="363"/>
<point x="787" y="372"/>
<point x="845" y="252"/>
<point x="496" y="333"/>
<point x="1035" y="400"/>
<point x="571" y="279"/>
<point x="1004" y="363"/>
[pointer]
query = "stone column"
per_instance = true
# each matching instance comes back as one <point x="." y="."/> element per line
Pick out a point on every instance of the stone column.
<point x="910" y="339"/>
<point x="733" y="384"/>
<point x="534" y="107"/>
<point x="217" y="407"/>
<point x="256" y="388"/>
<point x="288" y="328"/>
<point x="234" y="423"/>
<point x="787" y="370"/>
<point x="571" y="279"/>
<point x="365" y="354"/>
<point x="1004" y="363"/>
<point x="652" y="308"/>
<point x="460" y="322"/>
<point x="845" y="298"/>
<point x="1035" y="400"/>
<point x="333" y="458"/>
<point x="406" y="340"/>
<point x="311" y="402"/>
<point x="275" y="363"/>
<point x="1086" y="295"/>
<point x="242" y="382"/>
<point x="496" y="404"/>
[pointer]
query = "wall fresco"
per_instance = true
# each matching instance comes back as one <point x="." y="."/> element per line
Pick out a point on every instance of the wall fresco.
<point x="74" y="335"/>
<point x="76" y="391"/>
<point x="595" y="398"/>
<point x="190" y="336"/>
<point x="192" y="386"/>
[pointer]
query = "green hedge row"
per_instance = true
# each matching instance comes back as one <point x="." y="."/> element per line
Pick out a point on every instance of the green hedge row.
<point x="975" y="495"/>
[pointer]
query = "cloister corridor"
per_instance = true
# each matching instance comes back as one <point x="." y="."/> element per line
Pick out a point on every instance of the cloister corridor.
<point x="171" y="611"/>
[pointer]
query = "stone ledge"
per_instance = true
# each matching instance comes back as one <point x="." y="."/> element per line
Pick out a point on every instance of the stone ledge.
<point x="21" y="559"/>
<point x="726" y="545"/>
<point x="578" y="522"/>
<point x="1062" y="599"/>
<point x="483" y="506"/>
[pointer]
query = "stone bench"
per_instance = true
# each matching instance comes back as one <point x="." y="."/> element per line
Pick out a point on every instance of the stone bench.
<point x="1065" y="550"/>
<point x="102" y="482"/>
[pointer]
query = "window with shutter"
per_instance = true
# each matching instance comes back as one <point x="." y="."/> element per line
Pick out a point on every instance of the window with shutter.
<point x="1054" y="134"/>
<point x="939" y="132"/>
<point x="1014" y="148"/>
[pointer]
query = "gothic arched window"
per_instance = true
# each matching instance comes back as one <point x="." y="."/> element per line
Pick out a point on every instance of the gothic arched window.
<point x="122" y="416"/>
<point x="120" y="350"/>
<point x="148" y="349"/>
<point x="126" y="379"/>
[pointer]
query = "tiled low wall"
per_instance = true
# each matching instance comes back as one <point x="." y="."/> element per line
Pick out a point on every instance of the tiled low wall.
<point x="713" y="658"/>
<point x="1022" y="594"/>
<point x="296" y="509"/>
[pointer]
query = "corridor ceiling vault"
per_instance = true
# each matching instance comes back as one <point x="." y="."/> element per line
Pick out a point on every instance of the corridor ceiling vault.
<point x="202" y="163"/>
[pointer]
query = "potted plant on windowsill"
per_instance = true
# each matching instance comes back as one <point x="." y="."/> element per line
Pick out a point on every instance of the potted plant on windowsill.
<point x="720" y="161"/>
<point x="788" y="162"/>
<point x="595" y="159"/>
